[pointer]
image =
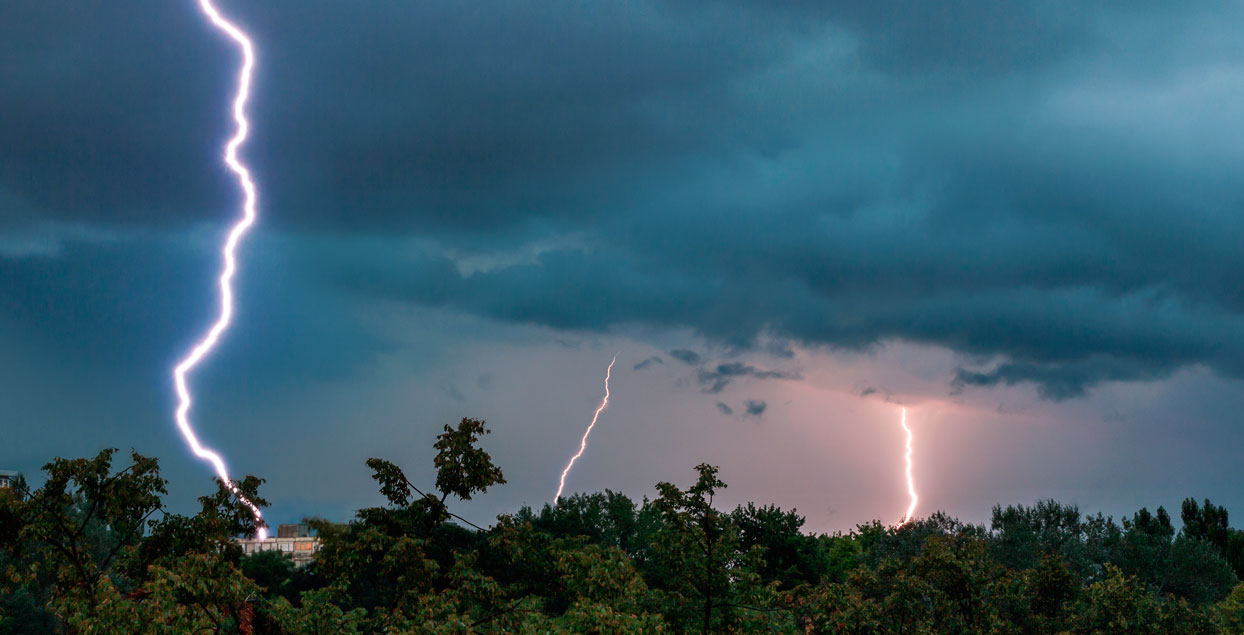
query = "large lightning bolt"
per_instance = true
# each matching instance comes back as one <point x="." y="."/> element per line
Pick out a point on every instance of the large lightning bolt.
<point x="604" y="403"/>
<point x="205" y="345"/>
<point x="911" y="483"/>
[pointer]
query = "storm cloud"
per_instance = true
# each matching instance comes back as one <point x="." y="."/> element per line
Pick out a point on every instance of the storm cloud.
<point x="1050" y="191"/>
<point x="685" y="356"/>
<point x="755" y="407"/>
<point x="648" y="362"/>
<point x="714" y="379"/>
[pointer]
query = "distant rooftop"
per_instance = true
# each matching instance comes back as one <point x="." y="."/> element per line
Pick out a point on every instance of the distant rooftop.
<point x="7" y="477"/>
<point x="293" y="531"/>
<point x="295" y="540"/>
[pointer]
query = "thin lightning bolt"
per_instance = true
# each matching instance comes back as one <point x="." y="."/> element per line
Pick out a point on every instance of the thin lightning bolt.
<point x="911" y="483"/>
<point x="583" y="443"/>
<point x="205" y="345"/>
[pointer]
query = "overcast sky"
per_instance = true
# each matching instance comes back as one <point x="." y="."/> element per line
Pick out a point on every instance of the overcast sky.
<point x="1020" y="220"/>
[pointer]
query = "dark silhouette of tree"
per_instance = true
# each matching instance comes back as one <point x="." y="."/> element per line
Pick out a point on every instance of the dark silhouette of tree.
<point x="1207" y="522"/>
<point x="94" y="551"/>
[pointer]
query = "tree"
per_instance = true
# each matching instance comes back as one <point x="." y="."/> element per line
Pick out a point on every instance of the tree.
<point x="93" y="551"/>
<point x="98" y="550"/>
<point x="966" y="581"/>
<point x="608" y="519"/>
<point x="609" y="595"/>
<point x="408" y="565"/>
<point x="694" y="551"/>
<point x="1052" y="589"/>
<point x="1023" y="536"/>
<point x="278" y="576"/>
<point x="1234" y="553"/>
<point x="1230" y="612"/>
<point x="1208" y="523"/>
<point x="1145" y="546"/>
<point x="789" y="556"/>
<point x="1119" y="604"/>
<point x="1197" y="572"/>
<point x="704" y="575"/>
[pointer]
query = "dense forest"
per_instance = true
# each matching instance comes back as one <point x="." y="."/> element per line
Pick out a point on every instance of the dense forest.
<point x="93" y="551"/>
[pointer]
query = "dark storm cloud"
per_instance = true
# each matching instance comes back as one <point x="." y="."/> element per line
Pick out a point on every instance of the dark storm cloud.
<point x="1061" y="381"/>
<point x="755" y="407"/>
<point x="1033" y="222"/>
<point x="107" y="308"/>
<point x="1050" y="190"/>
<point x="371" y="116"/>
<point x="963" y="36"/>
<point x="648" y="362"/>
<point x="685" y="356"/>
<point x="113" y="112"/>
<point x="724" y="409"/>
<point x="714" y="379"/>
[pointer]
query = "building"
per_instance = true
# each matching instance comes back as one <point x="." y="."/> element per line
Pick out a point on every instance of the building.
<point x="293" y="531"/>
<point x="8" y="478"/>
<point x="294" y="540"/>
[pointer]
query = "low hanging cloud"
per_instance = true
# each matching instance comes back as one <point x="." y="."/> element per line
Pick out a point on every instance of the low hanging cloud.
<point x="724" y="409"/>
<point x="754" y="407"/>
<point x="714" y="379"/>
<point x="1058" y="382"/>
<point x="685" y="356"/>
<point x="649" y="362"/>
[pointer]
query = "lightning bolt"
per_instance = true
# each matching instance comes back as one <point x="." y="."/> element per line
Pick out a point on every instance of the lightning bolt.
<point x="911" y="483"/>
<point x="208" y="342"/>
<point x="604" y="403"/>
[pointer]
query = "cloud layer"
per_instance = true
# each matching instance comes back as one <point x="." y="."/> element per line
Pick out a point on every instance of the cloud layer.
<point x="1050" y="191"/>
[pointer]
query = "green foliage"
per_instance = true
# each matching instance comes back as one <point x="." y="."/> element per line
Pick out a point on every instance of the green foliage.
<point x="1229" y="614"/>
<point x="95" y="548"/>
<point x="461" y="468"/>
<point x="1122" y="604"/>
<point x="93" y="551"/>
<point x="609" y="519"/>
<point x="790" y="557"/>
<point x="1197" y="572"/>
<point x="277" y="576"/>
<point x="1208" y="522"/>
<point x="1051" y="589"/>
<point x="692" y="554"/>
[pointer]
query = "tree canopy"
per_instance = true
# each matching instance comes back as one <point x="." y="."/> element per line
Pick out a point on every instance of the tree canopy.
<point x="93" y="550"/>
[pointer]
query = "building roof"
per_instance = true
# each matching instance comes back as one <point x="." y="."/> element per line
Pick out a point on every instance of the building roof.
<point x="9" y="474"/>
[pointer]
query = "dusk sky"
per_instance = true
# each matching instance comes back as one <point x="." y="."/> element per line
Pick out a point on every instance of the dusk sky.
<point x="1024" y="221"/>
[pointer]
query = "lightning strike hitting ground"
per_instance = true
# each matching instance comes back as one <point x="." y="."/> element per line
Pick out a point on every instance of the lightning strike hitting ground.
<point x="583" y="443"/>
<point x="205" y="345"/>
<point x="911" y="484"/>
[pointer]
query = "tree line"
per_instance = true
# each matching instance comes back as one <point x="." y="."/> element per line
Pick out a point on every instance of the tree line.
<point x="93" y="550"/>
